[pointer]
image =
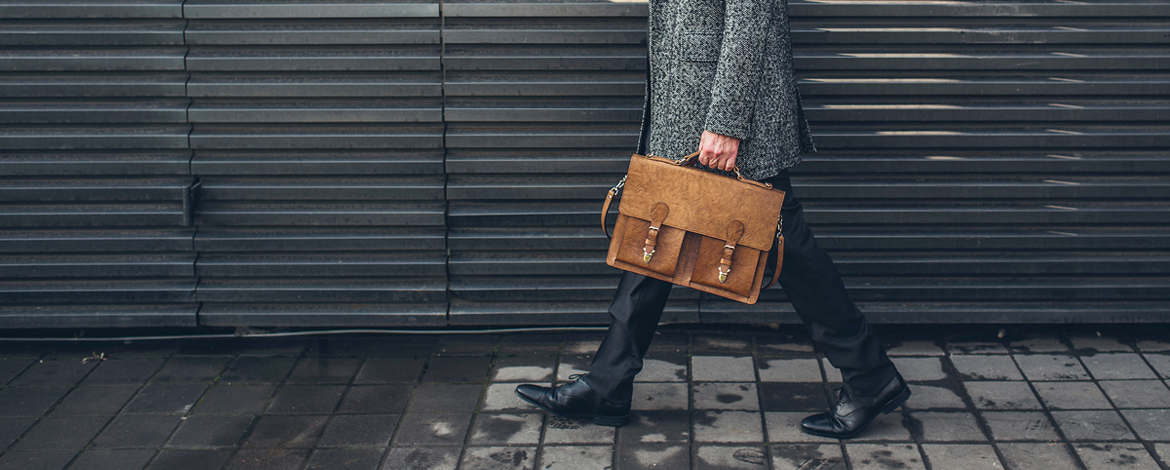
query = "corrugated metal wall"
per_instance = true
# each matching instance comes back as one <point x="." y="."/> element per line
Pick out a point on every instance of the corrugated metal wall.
<point x="989" y="162"/>
<point x="94" y="200"/>
<point x="318" y="140"/>
<point x="543" y="108"/>
<point x="361" y="163"/>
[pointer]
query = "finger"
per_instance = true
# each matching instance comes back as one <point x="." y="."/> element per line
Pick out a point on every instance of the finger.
<point x="715" y="164"/>
<point x="707" y="157"/>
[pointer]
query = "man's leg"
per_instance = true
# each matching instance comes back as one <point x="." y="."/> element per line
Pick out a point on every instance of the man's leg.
<point x="839" y="330"/>
<point x="636" y="310"/>
<point x="816" y="291"/>
<point x="604" y="393"/>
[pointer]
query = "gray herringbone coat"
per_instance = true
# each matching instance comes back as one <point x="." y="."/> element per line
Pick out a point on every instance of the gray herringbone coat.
<point x="724" y="66"/>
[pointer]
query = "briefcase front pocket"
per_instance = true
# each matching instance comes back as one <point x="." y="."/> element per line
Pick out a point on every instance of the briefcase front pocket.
<point x="738" y="275"/>
<point x="650" y="249"/>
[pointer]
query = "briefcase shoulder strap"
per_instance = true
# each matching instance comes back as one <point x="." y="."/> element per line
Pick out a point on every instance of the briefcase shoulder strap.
<point x="778" y="256"/>
<point x="778" y="260"/>
<point x="609" y="200"/>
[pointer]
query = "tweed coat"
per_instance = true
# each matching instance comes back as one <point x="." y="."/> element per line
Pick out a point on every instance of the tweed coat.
<point x="724" y="66"/>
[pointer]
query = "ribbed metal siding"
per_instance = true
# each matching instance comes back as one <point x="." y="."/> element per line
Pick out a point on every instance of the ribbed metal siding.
<point x="996" y="162"/>
<point x="543" y="107"/>
<point x="371" y="163"/>
<point x="318" y="140"/>
<point x="94" y="207"/>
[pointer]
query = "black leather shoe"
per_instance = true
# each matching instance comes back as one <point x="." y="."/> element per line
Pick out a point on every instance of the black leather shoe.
<point x="575" y="400"/>
<point x="853" y="414"/>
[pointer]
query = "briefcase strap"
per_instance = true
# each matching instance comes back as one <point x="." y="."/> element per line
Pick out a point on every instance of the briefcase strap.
<point x="775" y="255"/>
<point x="609" y="200"/>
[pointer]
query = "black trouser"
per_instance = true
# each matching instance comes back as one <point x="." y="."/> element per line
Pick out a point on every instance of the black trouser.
<point x="812" y="284"/>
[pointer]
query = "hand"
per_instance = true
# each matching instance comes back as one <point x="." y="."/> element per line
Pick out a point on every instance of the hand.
<point x="718" y="151"/>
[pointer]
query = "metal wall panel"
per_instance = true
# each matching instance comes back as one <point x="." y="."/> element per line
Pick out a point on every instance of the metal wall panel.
<point x="94" y="196"/>
<point x="1000" y="162"/>
<point x="991" y="162"/>
<point x="318" y="141"/>
<point x="543" y="106"/>
<point x="368" y="163"/>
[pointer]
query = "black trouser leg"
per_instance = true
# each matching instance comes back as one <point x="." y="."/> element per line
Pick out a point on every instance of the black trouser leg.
<point x="809" y="279"/>
<point x="816" y="291"/>
<point x="636" y="310"/>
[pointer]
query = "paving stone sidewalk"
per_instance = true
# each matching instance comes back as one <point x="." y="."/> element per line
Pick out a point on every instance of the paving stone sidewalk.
<point x="708" y="399"/>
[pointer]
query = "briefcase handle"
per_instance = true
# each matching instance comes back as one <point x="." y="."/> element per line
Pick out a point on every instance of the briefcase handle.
<point x="693" y="158"/>
<point x="688" y="160"/>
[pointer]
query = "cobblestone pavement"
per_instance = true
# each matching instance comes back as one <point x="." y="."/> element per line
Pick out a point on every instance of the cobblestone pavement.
<point x="708" y="399"/>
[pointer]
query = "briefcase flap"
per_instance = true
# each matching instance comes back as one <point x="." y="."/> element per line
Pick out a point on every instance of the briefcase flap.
<point x="701" y="201"/>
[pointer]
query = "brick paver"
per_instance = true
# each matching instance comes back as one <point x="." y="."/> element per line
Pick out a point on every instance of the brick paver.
<point x="707" y="398"/>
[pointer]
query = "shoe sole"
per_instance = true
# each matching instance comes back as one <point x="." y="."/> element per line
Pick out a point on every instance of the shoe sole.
<point x="889" y="408"/>
<point x="600" y="420"/>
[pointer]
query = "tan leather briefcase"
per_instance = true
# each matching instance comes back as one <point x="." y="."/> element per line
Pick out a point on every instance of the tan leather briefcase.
<point x="696" y="228"/>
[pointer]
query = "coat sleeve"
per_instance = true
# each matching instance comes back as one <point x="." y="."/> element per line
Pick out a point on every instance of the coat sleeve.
<point x="738" y="75"/>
